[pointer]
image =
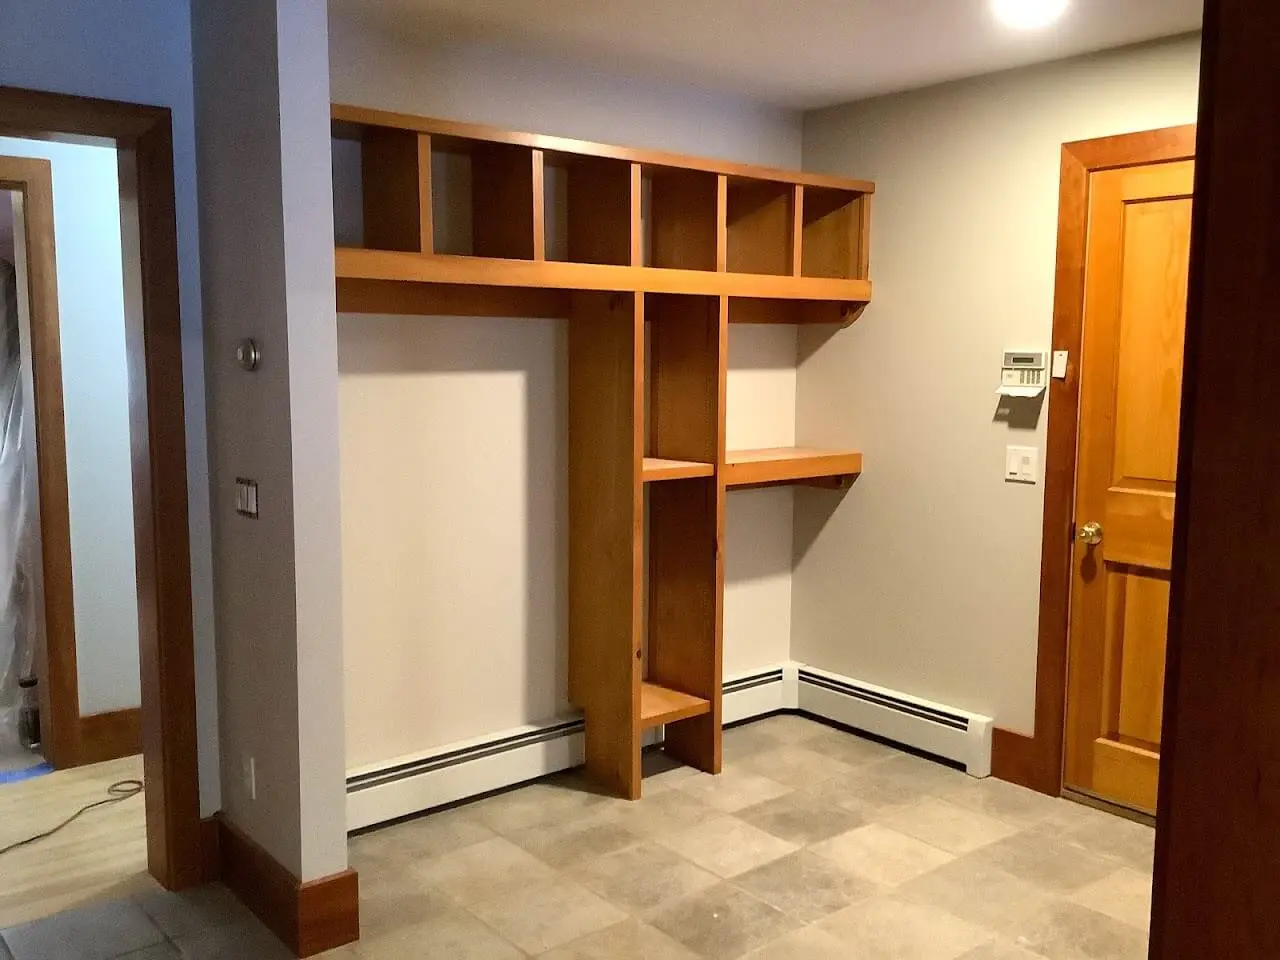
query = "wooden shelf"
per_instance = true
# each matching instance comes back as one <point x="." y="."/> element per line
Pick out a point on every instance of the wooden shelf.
<point x="656" y="468"/>
<point x="745" y="468"/>
<point x="355" y="263"/>
<point x="659" y="705"/>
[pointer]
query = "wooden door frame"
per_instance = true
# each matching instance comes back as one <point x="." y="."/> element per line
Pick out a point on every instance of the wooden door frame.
<point x="143" y="138"/>
<point x="1036" y="761"/>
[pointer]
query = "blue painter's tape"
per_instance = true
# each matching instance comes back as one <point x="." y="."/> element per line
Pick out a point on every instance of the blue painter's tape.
<point x="16" y="776"/>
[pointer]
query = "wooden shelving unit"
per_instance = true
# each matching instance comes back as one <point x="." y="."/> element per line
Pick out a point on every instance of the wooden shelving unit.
<point x="649" y="257"/>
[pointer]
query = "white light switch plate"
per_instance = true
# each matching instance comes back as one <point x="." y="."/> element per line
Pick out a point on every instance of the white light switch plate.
<point x="1021" y="465"/>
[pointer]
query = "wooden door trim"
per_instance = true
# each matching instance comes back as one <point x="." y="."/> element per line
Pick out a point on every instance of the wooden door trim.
<point x="153" y="338"/>
<point x="56" y="664"/>
<point x="1036" y="761"/>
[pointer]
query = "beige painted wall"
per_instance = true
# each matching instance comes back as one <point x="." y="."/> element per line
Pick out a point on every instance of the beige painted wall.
<point x="926" y="577"/>
<point x="453" y="430"/>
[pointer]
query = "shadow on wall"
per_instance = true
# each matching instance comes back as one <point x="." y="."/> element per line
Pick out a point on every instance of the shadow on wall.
<point x="451" y="428"/>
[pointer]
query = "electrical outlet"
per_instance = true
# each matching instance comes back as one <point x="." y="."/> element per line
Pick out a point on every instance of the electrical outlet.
<point x="250" y="778"/>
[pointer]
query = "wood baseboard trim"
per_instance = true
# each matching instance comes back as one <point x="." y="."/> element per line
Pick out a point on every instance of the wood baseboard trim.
<point x="309" y="918"/>
<point x="1020" y="759"/>
<point x="110" y="736"/>
<point x="210" y="856"/>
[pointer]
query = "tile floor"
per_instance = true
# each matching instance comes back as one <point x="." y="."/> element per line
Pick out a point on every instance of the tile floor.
<point x="812" y="844"/>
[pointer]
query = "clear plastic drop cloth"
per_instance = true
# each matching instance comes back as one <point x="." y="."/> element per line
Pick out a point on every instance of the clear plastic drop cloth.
<point x="18" y="539"/>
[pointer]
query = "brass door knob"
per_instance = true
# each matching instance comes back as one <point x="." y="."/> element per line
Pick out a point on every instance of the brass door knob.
<point x="1091" y="533"/>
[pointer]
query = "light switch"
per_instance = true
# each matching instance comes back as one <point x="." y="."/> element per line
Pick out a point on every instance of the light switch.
<point x="246" y="497"/>
<point x="1021" y="465"/>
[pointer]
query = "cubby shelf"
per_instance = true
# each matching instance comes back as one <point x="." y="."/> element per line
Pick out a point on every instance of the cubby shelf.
<point x="744" y="468"/>
<point x="661" y="705"/>
<point x="657" y="468"/>
<point x="648" y="257"/>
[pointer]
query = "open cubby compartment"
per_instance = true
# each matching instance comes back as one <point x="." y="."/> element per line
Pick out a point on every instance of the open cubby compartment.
<point x="680" y="690"/>
<point x="681" y="218"/>
<point x="835" y="234"/>
<point x="482" y="198"/>
<point x="379" y="188"/>
<point x="683" y="364"/>
<point x="783" y="311"/>
<point x="588" y="203"/>
<point x="760" y="231"/>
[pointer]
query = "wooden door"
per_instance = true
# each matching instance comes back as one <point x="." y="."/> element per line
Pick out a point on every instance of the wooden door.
<point x="1137" y="258"/>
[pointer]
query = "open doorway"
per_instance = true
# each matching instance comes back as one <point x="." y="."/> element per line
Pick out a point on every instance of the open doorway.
<point x="98" y="676"/>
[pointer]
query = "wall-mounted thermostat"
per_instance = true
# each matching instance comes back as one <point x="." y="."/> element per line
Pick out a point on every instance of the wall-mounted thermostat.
<point x="1024" y="373"/>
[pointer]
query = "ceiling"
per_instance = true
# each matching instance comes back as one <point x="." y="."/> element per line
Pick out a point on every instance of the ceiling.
<point x="795" y="53"/>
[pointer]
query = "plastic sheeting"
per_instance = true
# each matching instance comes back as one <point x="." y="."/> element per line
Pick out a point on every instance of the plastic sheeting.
<point x="18" y="560"/>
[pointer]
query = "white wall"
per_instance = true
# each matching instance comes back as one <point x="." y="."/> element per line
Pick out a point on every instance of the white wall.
<point x="95" y="388"/>
<point x="925" y="578"/>
<point x="262" y="98"/>
<point x="453" y="454"/>
<point x="142" y="53"/>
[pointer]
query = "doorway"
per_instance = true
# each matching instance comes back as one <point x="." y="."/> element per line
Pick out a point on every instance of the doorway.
<point x="1119" y="315"/>
<point x="165" y="728"/>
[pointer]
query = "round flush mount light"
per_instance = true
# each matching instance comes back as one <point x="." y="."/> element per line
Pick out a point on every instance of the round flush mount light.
<point x="1028" y="14"/>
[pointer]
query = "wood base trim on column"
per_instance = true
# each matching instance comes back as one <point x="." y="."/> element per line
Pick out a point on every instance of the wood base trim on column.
<point x="1020" y="759"/>
<point x="109" y="736"/>
<point x="309" y="918"/>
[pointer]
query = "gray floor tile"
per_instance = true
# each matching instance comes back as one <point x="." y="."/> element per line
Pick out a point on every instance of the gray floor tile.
<point x="394" y="898"/>
<point x="1123" y="896"/>
<point x="238" y="941"/>
<point x="849" y="748"/>
<point x="1052" y="864"/>
<point x="742" y="741"/>
<point x="483" y="871"/>
<point x="629" y="940"/>
<point x="1000" y="950"/>
<point x="948" y="826"/>
<point x="98" y="932"/>
<point x="722" y="923"/>
<point x="541" y="916"/>
<point x="885" y="928"/>
<point x="548" y="801"/>
<point x="161" y="951"/>
<point x="801" y="817"/>
<point x="727" y="846"/>
<point x="881" y="855"/>
<point x="1110" y="836"/>
<point x="643" y="877"/>
<point x="807" y="943"/>
<point x="796" y="766"/>
<point x="975" y="889"/>
<point x="790" y="728"/>
<point x="805" y="886"/>
<point x="433" y="835"/>
<point x="1004" y="801"/>
<point x="563" y="844"/>
<point x="1068" y="931"/>
<point x="734" y="789"/>
<point x="451" y="935"/>
<point x="188" y="912"/>
<point x="661" y="814"/>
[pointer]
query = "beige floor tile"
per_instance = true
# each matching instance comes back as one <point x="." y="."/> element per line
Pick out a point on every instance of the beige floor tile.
<point x="807" y="943"/>
<point x="1123" y="896"/>
<point x="974" y="889"/>
<point x="482" y="871"/>
<point x="1000" y="950"/>
<point x="801" y="818"/>
<point x="547" y="801"/>
<point x="790" y="728"/>
<point x="796" y="766"/>
<point x="882" y="855"/>
<point x="1052" y="864"/>
<point x="1004" y="801"/>
<point x="643" y="877"/>
<point x="884" y="928"/>
<point x="954" y="829"/>
<point x="722" y="923"/>
<point x="661" y="814"/>
<point x="805" y="886"/>
<point x="184" y="913"/>
<point x="733" y="789"/>
<point x="1113" y="836"/>
<point x="629" y="940"/>
<point x="392" y="898"/>
<point x="433" y="835"/>
<point x="872" y="789"/>
<point x="540" y="916"/>
<point x="453" y="935"/>
<point x="563" y="844"/>
<point x="1068" y="931"/>
<point x="744" y="740"/>
<point x="849" y="748"/>
<point x="929" y="777"/>
<point x="727" y="846"/>
<point x="236" y="942"/>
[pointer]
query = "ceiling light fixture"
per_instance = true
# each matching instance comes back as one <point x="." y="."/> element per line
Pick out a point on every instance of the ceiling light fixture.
<point x="1028" y="14"/>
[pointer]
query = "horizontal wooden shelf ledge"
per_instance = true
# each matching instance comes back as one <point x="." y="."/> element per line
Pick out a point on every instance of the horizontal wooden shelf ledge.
<point x="350" y="122"/>
<point x="355" y="263"/>
<point x="659" y="705"/>
<point x="791" y="465"/>
<point x="657" y="468"/>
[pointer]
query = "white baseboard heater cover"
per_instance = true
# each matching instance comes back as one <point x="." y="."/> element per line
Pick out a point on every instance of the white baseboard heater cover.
<point x="410" y="785"/>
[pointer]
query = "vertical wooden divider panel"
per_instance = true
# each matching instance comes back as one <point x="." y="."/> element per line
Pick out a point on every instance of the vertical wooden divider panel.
<point x="637" y="216"/>
<point x="606" y="356"/>
<point x="397" y="192"/>
<point x="502" y="204"/>
<point x="797" y="232"/>
<point x="686" y="517"/>
<point x="538" y="185"/>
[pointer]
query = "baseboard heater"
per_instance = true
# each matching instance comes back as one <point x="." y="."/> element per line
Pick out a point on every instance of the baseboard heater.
<point x="459" y="771"/>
